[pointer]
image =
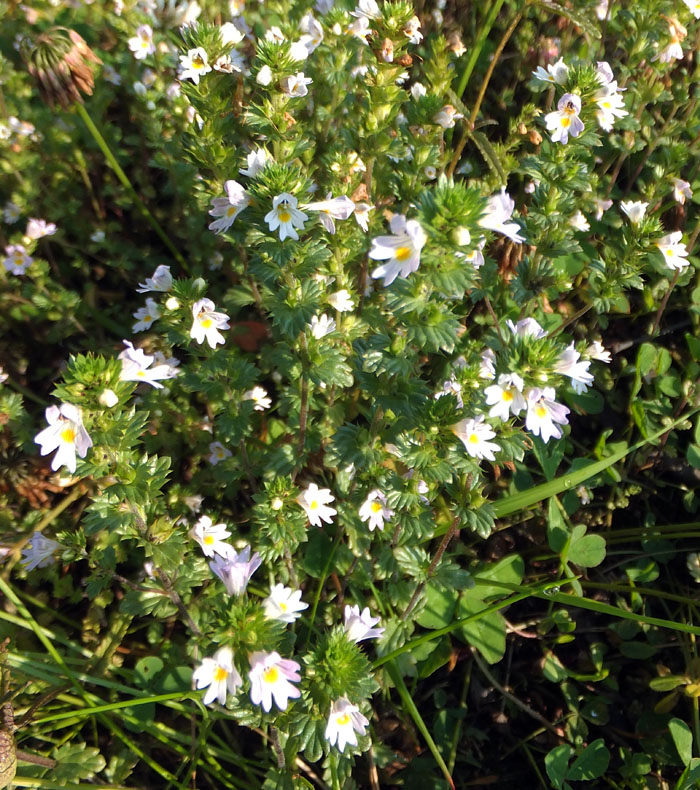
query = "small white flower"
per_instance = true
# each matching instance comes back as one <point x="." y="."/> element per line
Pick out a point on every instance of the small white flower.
<point x="569" y="364"/>
<point x="11" y="212"/>
<point x="634" y="209"/>
<point x="474" y="434"/>
<point x="136" y="366"/>
<point x="360" y="625"/>
<point x="564" y="121"/>
<point x="556" y="72"/>
<point x="272" y="676"/>
<point x="401" y="251"/>
<point x="674" y="250"/>
<point x="142" y="43"/>
<point x="161" y="281"/>
<point x="217" y="452"/>
<point x="673" y="50"/>
<point x="211" y="537"/>
<point x="505" y="397"/>
<point x="284" y="604"/>
<point x="374" y="510"/>
<point x="601" y="206"/>
<point x="418" y="90"/>
<point x="312" y="32"/>
<point x="295" y="84"/>
<point x="111" y="75"/>
<point x="367" y="9"/>
<point x="344" y="721"/>
<point x="412" y="30"/>
<point x="194" y="64"/>
<point x="145" y="316"/>
<point x="360" y="29"/>
<point x="487" y="366"/>
<point x="544" y="414"/>
<point x="108" y="398"/>
<point x="315" y="503"/>
<point x="332" y="209"/>
<point x="362" y="215"/>
<point x="17" y="259"/>
<point x="259" y="397"/>
<point x="526" y="327"/>
<point x="610" y="103"/>
<point x="257" y="162"/>
<point x="286" y="216"/>
<point x="230" y="34"/>
<point x="693" y="7"/>
<point x="97" y="236"/>
<point x="264" y="76"/>
<point x="39" y="552"/>
<point x="499" y="209"/>
<point x="66" y="433"/>
<point x="220" y="674"/>
<point x="38" y="228"/>
<point x="321" y="326"/>
<point x="579" y="222"/>
<point x="235" y="569"/>
<point x="447" y="116"/>
<point x="597" y="351"/>
<point x="229" y="207"/>
<point x="341" y="301"/>
<point x="681" y="190"/>
<point x="207" y="322"/>
<point x="451" y="387"/>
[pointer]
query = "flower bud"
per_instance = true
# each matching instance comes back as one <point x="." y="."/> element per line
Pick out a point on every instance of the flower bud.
<point x="277" y="503"/>
<point x="461" y="236"/>
<point x="108" y="399"/>
<point x="172" y="303"/>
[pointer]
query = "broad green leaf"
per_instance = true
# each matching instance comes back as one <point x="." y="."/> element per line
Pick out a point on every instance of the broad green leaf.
<point x="487" y="635"/>
<point x="439" y="607"/>
<point x="667" y="683"/>
<point x="587" y="551"/>
<point x="556" y="764"/>
<point x="591" y="763"/>
<point x="74" y="762"/>
<point x="507" y="571"/>
<point x="682" y="738"/>
<point x="557" y="531"/>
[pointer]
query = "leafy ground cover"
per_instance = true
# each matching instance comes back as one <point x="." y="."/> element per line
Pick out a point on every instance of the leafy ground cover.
<point x="349" y="416"/>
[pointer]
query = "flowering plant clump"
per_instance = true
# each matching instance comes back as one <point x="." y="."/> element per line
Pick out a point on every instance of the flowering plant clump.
<point x="340" y="342"/>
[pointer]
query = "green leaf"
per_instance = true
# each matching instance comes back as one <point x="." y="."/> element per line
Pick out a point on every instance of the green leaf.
<point x="74" y="762"/>
<point x="587" y="550"/>
<point x="439" y="608"/>
<point x="507" y="571"/>
<point x="591" y="763"/>
<point x="147" y="668"/>
<point x="487" y="635"/>
<point x="556" y="764"/>
<point x="667" y="683"/>
<point x="579" y="19"/>
<point x="682" y="738"/>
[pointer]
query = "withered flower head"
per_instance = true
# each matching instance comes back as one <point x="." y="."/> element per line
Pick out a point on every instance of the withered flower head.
<point x="61" y="62"/>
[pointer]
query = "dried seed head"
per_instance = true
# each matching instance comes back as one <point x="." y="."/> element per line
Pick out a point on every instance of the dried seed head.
<point x="61" y="62"/>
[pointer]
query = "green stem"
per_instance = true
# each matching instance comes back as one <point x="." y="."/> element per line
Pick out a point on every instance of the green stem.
<point x="121" y="175"/>
<point x="478" y="46"/>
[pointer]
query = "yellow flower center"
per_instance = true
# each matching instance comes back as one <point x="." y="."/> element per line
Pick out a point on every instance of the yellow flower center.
<point x="669" y="252"/>
<point x="220" y="674"/>
<point x="230" y="211"/>
<point x="507" y="396"/>
<point x="140" y="374"/>
<point x="205" y="323"/>
<point x="313" y="505"/>
<point x="402" y="253"/>
<point x="198" y="62"/>
<point x="284" y="215"/>
<point x="473" y="438"/>
<point x="283" y="606"/>
<point x="68" y="435"/>
<point x="376" y="507"/>
<point x="208" y="539"/>
<point x="566" y="121"/>
<point x="343" y="720"/>
<point x="540" y="411"/>
<point x="271" y="675"/>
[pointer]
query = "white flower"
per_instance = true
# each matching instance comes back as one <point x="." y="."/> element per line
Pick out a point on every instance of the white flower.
<point x="332" y="209"/>
<point x="257" y="162"/>
<point x="275" y="35"/>
<point x="367" y="9"/>
<point x="505" y="397"/>
<point x="39" y="552"/>
<point x="136" y="366"/>
<point x="97" y="236"/>
<point x="236" y="7"/>
<point x="230" y="34"/>
<point x="601" y="206"/>
<point x="634" y="209"/>
<point x="272" y="676"/>
<point x="487" y="366"/>
<point x="674" y="251"/>
<point x="412" y="30"/>
<point x="17" y="259"/>
<point x="597" y="351"/>
<point x="315" y="503"/>
<point x="360" y="29"/>
<point x="344" y="721"/>
<point x="194" y="64"/>
<point x="217" y="452"/>
<point x="601" y="10"/>
<point x="474" y="434"/>
<point x="544" y="414"/>
<point x="38" y="228"/>
<point x="219" y="674"/>
<point x="556" y="72"/>
<point x="579" y="222"/>
<point x="108" y="398"/>
<point x="447" y="116"/>
<point x="362" y="215"/>
<point x="693" y="7"/>
<point x="295" y="84"/>
<point x="610" y="105"/>
<point x="401" y="251"/>
<point x="207" y="322"/>
<point x="341" y="301"/>
<point x="322" y="326"/>
<point x="264" y="76"/>
<point x="681" y="190"/>
<point x="66" y="433"/>
<point x="673" y="50"/>
<point x="286" y="216"/>
<point x="259" y="397"/>
<point x="298" y="51"/>
<point x="526" y="327"/>
<point x="229" y="207"/>
<point x="235" y="569"/>
<point x="359" y="626"/>
<point x="161" y="281"/>
<point x="564" y="121"/>
<point x="284" y="604"/>
<point x="142" y="43"/>
<point x="11" y="212"/>
<point x="211" y="537"/>
<point x="312" y="30"/>
<point x="145" y="316"/>
<point x="418" y="90"/>
<point x="451" y="387"/>
<point x="374" y="510"/>
<point x="324" y="6"/>
<point x="569" y="364"/>
<point x="499" y="209"/>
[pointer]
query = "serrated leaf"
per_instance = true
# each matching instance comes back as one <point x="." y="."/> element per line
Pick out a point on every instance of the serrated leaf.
<point x="579" y="19"/>
<point x="76" y="761"/>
